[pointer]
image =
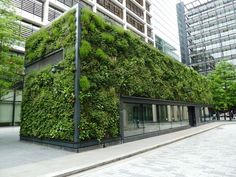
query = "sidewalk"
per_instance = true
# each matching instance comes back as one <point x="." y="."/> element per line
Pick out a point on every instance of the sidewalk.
<point x="23" y="159"/>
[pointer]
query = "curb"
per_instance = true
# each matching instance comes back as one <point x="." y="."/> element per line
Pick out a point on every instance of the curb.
<point x="83" y="169"/>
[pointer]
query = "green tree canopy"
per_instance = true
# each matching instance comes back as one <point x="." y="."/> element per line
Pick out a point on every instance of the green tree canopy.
<point x="223" y="85"/>
<point x="11" y="64"/>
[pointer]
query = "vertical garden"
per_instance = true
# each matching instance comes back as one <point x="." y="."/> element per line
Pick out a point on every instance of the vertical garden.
<point x="113" y="62"/>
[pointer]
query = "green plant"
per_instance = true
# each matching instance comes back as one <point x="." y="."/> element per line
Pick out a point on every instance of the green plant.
<point x="11" y="64"/>
<point x="223" y="86"/>
<point x="113" y="62"/>
<point x="107" y="37"/>
<point x="101" y="54"/>
<point x="119" y="63"/>
<point x="48" y="98"/>
<point x="85" y="49"/>
<point x="84" y="83"/>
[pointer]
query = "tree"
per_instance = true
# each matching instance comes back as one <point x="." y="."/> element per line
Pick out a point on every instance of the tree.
<point x="11" y="64"/>
<point x="223" y="85"/>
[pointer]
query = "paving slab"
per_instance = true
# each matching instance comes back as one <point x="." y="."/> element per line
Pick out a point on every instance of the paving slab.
<point x="24" y="159"/>
<point x="209" y="154"/>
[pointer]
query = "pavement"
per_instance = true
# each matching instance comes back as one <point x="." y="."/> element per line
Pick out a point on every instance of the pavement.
<point x="24" y="159"/>
<point x="209" y="154"/>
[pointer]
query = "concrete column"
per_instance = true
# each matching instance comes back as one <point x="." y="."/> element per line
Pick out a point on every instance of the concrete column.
<point x="154" y="113"/>
<point x="145" y="27"/>
<point x="124" y="18"/>
<point x="169" y="113"/>
<point x="95" y="6"/>
<point x="207" y="111"/>
<point x="125" y="117"/>
<point x="186" y="112"/>
<point x="124" y="15"/>
<point x="45" y="11"/>
<point x="175" y="113"/>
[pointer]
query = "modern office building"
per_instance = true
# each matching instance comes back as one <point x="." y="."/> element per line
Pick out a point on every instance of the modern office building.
<point x="211" y="33"/>
<point x="182" y="32"/>
<point x="165" y="27"/>
<point x="131" y="14"/>
<point x="124" y="114"/>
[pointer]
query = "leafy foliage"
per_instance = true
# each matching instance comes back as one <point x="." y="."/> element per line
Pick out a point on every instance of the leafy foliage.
<point x="11" y="64"/>
<point x="118" y="63"/>
<point x="48" y="98"/>
<point x="113" y="62"/>
<point x="223" y="86"/>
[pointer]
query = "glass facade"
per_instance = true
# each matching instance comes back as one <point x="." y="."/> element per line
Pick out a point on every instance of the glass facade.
<point x="211" y="30"/>
<point x="165" y="25"/>
<point x="10" y="109"/>
<point x="206" y="114"/>
<point x="139" y="119"/>
<point x="165" y="47"/>
<point x="182" y="33"/>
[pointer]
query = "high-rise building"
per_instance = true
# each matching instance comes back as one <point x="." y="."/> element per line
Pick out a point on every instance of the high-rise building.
<point x="211" y="33"/>
<point x="182" y="33"/>
<point x="165" y="27"/>
<point x="131" y="14"/>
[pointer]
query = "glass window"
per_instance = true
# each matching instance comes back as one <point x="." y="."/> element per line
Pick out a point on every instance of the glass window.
<point x="207" y="114"/>
<point x="162" y="114"/>
<point x="53" y="13"/>
<point x="150" y="118"/>
<point x="202" y="114"/>
<point x="132" y="120"/>
<point x="31" y="6"/>
<point x="134" y="8"/>
<point x="185" y="118"/>
<point x="112" y="7"/>
<point x="135" y="23"/>
<point x="176" y="116"/>
<point x="139" y="119"/>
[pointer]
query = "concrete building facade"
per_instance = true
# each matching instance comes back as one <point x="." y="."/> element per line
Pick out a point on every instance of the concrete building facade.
<point x="134" y="15"/>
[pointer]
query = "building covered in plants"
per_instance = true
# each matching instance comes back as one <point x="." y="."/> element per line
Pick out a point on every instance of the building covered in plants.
<point x="92" y="82"/>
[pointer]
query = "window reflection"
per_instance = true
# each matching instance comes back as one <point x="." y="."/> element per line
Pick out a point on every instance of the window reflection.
<point x="165" y="121"/>
<point x="139" y="119"/>
<point x="132" y="119"/>
<point x="185" y="120"/>
<point x="150" y="118"/>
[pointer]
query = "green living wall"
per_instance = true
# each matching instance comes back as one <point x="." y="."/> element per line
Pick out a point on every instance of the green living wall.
<point x="48" y="98"/>
<point x="114" y="62"/>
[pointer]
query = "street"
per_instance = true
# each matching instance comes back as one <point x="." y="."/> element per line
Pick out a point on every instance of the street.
<point x="210" y="154"/>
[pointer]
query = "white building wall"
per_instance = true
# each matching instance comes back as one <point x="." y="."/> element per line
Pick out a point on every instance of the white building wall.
<point x="57" y="5"/>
